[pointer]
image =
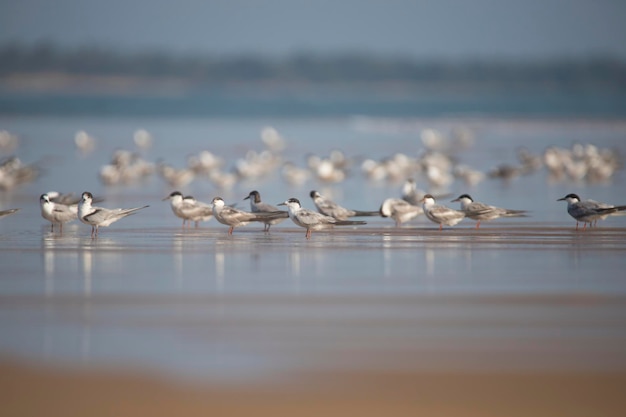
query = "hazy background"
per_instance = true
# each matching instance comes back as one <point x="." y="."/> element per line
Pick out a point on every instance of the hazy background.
<point x="448" y="29"/>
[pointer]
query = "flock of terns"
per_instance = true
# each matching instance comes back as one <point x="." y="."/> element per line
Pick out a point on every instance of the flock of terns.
<point x="58" y="209"/>
<point x="436" y="165"/>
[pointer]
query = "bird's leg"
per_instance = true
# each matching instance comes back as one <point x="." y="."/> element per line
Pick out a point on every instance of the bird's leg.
<point x="478" y="224"/>
<point x="440" y="226"/>
<point x="230" y="230"/>
<point x="308" y="233"/>
<point x="576" y="224"/>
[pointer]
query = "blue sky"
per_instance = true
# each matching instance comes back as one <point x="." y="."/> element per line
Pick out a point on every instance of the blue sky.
<point x="448" y="29"/>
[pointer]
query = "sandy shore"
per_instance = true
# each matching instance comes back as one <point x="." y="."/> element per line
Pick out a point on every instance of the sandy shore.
<point x="35" y="391"/>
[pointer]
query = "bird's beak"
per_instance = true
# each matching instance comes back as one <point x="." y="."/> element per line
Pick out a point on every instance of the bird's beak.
<point x="281" y="204"/>
<point x="166" y="198"/>
<point x="561" y="199"/>
<point x="246" y="198"/>
<point x="454" y="201"/>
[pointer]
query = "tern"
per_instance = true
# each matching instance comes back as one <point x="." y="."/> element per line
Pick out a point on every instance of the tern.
<point x="440" y="214"/>
<point x="233" y="217"/>
<point x="413" y="195"/>
<point x="410" y="193"/>
<point x="189" y="209"/>
<point x="57" y="212"/>
<point x="98" y="216"/>
<point x="588" y="211"/>
<point x="258" y="206"/>
<point x="329" y="208"/>
<point x="480" y="211"/>
<point x="399" y="210"/>
<point x="312" y="220"/>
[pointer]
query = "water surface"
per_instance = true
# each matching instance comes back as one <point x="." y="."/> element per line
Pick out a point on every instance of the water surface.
<point x="520" y="294"/>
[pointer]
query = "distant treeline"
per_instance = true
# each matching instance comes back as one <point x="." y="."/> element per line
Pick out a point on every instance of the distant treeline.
<point x="20" y="59"/>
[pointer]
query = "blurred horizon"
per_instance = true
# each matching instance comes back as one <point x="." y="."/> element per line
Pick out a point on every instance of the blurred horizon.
<point x="42" y="65"/>
<point x="446" y="29"/>
<point x="400" y="57"/>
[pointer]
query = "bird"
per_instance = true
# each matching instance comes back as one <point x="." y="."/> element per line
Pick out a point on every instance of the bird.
<point x="410" y="193"/>
<point x="588" y="211"/>
<point x="196" y="211"/>
<point x="56" y="212"/>
<point x="8" y="212"/>
<point x="188" y="208"/>
<point x="258" y="206"/>
<point x="399" y="210"/>
<point x="98" y="216"/>
<point x="413" y="195"/>
<point x="312" y="220"/>
<point x="13" y="172"/>
<point x="175" y="177"/>
<point x="440" y="214"/>
<point x="233" y="217"/>
<point x="480" y="211"/>
<point x="329" y="208"/>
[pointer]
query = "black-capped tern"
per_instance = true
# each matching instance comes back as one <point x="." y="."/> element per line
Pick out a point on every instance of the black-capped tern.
<point x="484" y="212"/>
<point x="440" y="214"/>
<point x="312" y="220"/>
<point x="233" y="217"/>
<point x="98" y="217"/>
<point x="258" y="206"/>
<point x="329" y="208"/>
<point x="189" y="209"/>
<point x="58" y="213"/>
<point x="588" y="211"/>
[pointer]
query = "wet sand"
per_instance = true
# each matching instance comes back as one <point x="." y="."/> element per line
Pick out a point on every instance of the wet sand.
<point x="29" y="391"/>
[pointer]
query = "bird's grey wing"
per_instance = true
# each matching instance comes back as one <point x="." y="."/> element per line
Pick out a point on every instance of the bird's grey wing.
<point x="582" y="209"/>
<point x="476" y="209"/>
<point x="197" y="210"/>
<point x="311" y="218"/>
<point x="98" y="215"/>
<point x="234" y="213"/>
<point x="64" y="212"/>
<point x="264" y="207"/>
<point x="325" y="206"/>
<point x="445" y="213"/>
<point x="61" y="209"/>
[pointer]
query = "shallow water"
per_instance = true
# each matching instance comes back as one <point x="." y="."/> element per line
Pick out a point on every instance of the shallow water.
<point x="518" y="294"/>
